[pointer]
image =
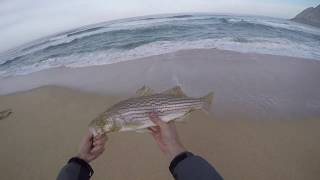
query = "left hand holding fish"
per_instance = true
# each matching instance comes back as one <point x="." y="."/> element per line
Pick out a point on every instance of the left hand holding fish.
<point x="92" y="147"/>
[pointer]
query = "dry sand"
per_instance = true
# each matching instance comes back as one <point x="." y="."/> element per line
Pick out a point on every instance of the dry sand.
<point x="265" y="121"/>
<point x="47" y="125"/>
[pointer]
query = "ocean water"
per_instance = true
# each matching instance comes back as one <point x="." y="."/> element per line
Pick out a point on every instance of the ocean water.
<point x="128" y="39"/>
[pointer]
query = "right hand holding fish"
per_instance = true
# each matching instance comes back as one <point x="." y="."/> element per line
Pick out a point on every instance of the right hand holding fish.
<point x="166" y="136"/>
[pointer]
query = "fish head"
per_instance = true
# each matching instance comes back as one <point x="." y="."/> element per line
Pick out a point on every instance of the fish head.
<point x="101" y="125"/>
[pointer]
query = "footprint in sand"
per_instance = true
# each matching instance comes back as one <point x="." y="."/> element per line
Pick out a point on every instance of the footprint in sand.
<point x="6" y="113"/>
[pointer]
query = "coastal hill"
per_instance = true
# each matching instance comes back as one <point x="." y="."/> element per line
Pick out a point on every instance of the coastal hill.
<point x="309" y="16"/>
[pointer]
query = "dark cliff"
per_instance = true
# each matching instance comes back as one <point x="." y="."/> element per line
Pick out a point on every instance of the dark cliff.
<point x="309" y="16"/>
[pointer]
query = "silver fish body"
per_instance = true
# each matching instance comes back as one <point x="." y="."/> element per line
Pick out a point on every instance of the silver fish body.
<point x="133" y="114"/>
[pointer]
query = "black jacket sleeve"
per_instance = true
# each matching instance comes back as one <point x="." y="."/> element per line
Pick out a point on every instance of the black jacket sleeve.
<point x="187" y="166"/>
<point x="75" y="169"/>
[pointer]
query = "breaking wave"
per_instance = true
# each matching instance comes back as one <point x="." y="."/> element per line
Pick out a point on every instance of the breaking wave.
<point x="133" y="38"/>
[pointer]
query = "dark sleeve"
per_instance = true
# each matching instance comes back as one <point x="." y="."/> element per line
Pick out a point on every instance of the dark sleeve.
<point x="187" y="166"/>
<point x="75" y="169"/>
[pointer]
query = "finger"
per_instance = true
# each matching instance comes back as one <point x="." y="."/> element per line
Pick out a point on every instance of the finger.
<point x="157" y="138"/>
<point x="97" y="149"/>
<point x="157" y="129"/>
<point x="87" y="139"/>
<point x="156" y="132"/>
<point x="100" y="136"/>
<point x="101" y="141"/>
<point x="155" y="119"/>
<point x="152" y="132"/>
<point x="88" y="136"/>
<point x="98" y="143"/>
<point x="97" y="153"/>
<point x="154" y="129"/>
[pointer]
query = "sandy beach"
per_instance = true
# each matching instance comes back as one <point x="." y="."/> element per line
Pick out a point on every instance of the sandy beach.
<point x="264" y="123"/>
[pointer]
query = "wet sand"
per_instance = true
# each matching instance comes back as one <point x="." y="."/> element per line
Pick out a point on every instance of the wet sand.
<point x="264" y="123"/>
<point x="47" y="124"/>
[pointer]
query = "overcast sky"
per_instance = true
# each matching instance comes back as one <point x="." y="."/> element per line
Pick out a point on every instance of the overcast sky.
<point x="22" y="21"/>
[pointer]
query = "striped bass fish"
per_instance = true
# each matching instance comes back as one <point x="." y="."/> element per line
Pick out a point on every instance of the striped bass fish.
<point x="133" y="114"/>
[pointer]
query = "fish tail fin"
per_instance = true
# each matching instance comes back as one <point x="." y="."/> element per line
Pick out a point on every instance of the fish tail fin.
<point x="207" y="102"/>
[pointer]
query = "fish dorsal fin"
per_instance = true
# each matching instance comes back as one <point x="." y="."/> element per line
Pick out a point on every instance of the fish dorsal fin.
<point x="175" y="91"/>
<point x="144" y="91"/>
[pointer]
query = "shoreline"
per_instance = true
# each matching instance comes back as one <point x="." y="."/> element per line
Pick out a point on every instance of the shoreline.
<point x="245" y="84"/>
<point x="43" y="71"/>
<point x="154" y="59"/>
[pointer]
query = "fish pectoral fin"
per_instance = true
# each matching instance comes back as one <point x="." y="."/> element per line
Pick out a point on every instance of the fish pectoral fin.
<point x="180" y="120"/>
<point x="184" y="117"/>
<point x="134" y="125"/>
<point x="144" y="91"/>
<point x="175" y="91"/>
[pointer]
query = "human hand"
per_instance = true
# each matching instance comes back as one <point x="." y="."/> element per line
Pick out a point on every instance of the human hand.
<point x="91" y="147"/>
<point x="166" y="136"/>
